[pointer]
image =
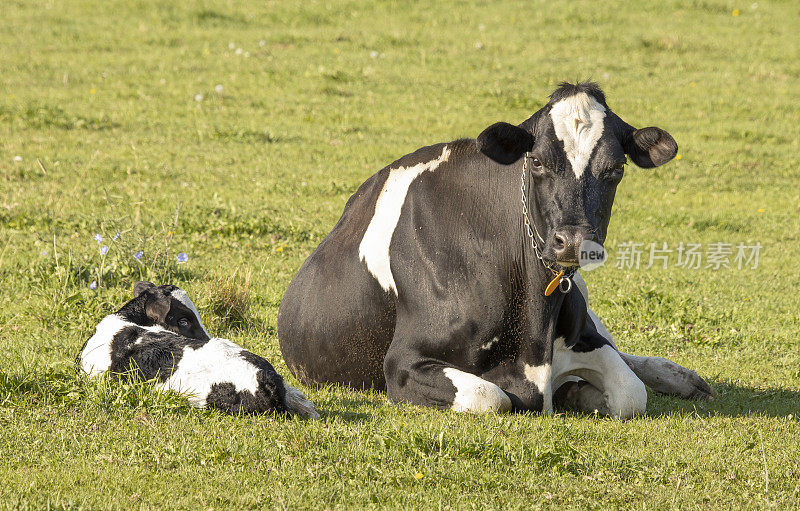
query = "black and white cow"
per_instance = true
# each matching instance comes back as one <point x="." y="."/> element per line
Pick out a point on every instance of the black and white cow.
<point x="431" y="285"/>
<point x="159" y="335"/>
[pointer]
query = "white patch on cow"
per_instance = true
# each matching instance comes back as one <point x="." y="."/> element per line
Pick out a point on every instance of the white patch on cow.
<point x="624" y="392"/>
<point x="578" y="121"/>
<point x="374" y="248"/>
<point x="488" y="344"/>
<point x="297" y="403"/>
<point x="181" y="296"/>
<point x="540" y="376"/>
<point x="95" y="358"/>
<point x="474" y="394"/>
<point x="217" y="361"/>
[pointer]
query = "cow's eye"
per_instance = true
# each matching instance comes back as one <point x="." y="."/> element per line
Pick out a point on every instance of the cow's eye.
<point x="537" y="167"/>
<point x="183" y="323"/>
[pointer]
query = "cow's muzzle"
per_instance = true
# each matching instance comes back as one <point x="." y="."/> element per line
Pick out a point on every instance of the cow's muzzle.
<point x="566" y="243"/>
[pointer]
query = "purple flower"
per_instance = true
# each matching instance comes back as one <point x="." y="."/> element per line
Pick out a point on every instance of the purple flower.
<point x="138" y="255"/>
<point x="116" y="236"/>
<point x="93" y="285"/>
<point x="103" y="250"/>
<point x="182" y="257"/>
<point x="98" y="238"/>
<point x="44" y="252"/>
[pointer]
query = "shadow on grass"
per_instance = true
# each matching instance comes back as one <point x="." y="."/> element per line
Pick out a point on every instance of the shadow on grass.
<point x="345" y="408"/>
<point x="62" y="384"/>
<point x="731" y="400"/>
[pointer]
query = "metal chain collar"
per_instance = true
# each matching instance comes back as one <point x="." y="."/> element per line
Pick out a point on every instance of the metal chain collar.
<point x="565" y="283"/>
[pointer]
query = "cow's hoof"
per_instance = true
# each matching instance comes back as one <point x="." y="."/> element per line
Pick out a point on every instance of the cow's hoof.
<point x="702" y="390"/>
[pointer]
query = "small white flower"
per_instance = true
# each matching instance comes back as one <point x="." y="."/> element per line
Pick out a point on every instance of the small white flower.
<point x="17" y="159"/>
<point x="219" y="88"/>
<point x="262" y="43"/>
<point x="238" y="51"/>
<point x="374" y="54"/>
<point x="198" y="97"/>
<point x="231" y="46"/>
<point x="478" y="45"/>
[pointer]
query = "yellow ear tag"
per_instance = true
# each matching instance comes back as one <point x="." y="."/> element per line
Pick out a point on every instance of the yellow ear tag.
<point x="553" y="284"/>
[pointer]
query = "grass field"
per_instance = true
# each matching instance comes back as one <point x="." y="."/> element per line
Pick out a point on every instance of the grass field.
<point x="236" y="133"/>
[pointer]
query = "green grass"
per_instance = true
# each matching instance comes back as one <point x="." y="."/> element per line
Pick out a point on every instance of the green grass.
<point x="249" y="180"/>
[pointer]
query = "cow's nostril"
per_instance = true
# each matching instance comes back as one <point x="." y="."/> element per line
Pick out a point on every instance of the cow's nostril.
<point x="560" y="240"/>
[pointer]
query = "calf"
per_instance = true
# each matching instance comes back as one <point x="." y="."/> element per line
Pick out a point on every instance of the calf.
<point x="439" y="281"/>
<point x="159" y="335"/>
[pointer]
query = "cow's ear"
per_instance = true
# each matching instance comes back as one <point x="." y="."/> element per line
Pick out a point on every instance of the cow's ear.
<point x="157" y="305"/>
<point x="142" y="286"/>
<point x="504" y="142"/>
<point x="650" y="147"/>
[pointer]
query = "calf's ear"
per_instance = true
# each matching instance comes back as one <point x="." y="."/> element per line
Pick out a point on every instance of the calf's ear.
<point x="142" y="286"/>
<point x="157" y="306"/>
<point x="504" y="142"/>
<point x="650" y="147"/>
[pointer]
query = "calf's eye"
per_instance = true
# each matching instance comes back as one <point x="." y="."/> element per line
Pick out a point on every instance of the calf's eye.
<point x="536" y="164"/>
<point x="183" y="322"/>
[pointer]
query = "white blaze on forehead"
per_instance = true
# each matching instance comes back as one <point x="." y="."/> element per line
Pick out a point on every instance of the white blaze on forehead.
<point x="374" y="248"/>
<point x="578" y="121"/>
<point x="474" y="394"/>
<point x="181" y="296"/>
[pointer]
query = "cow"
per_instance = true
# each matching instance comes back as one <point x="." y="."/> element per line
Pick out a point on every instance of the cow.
<point x="448" y="280"/>
<point x="158" y="335"/>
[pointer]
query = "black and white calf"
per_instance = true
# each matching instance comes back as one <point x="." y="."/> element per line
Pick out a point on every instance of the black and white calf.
<point x="431" y="285"/>
<point x="159" y="335"/>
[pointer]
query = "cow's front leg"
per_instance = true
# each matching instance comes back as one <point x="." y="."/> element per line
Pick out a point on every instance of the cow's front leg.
<point x="411" y="377"/>
<point x="666" y="377"/>
<point x="609" y="385"/>
<point x="660" y="374"/>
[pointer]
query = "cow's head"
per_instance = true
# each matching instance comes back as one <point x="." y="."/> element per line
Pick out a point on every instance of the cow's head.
<point x="575" y="149"/>
<point x="166" y="306"/>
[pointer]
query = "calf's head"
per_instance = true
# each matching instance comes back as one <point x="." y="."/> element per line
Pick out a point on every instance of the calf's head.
<point x="575" y="151"/>
<point x="166" y="306"/>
